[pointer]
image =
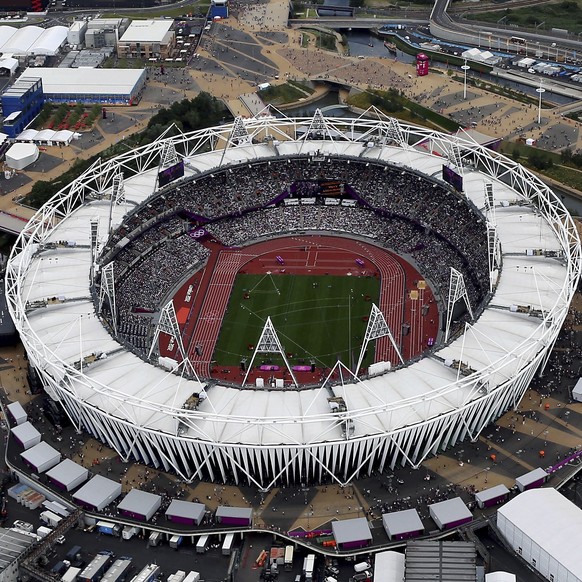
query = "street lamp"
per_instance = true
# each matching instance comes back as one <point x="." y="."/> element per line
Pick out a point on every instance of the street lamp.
<point x="540" y="90"/>
<point x="465" y="68"/>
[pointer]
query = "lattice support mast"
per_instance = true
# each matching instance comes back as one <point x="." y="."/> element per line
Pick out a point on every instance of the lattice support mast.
<point x="168" y="155"/>
<point x="117" y="196"/>
<point x="269" y="344"/>
<point x="238" y="135"/>
<point x="493" y="253"/>
<point x="457" y="290"/>
<point x="377" y="327"/>
<point x="107" y="289"/>
<point x="94" y="247"/>
<point x="455" y="158"/>
<point x="319" y="128"/>
<point x="168" y="324"/>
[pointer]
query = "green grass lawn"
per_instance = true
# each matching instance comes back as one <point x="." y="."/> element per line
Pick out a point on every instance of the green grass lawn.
<point x="309" y="313"/>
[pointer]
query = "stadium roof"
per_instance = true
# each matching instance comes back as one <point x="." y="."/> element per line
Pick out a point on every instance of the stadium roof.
<point x="551" y="522"/>
<point x="532" y="280"/>
<point x="86" y="81"/>
<point x="147" y="31"/>
<point x="123" y="386"/>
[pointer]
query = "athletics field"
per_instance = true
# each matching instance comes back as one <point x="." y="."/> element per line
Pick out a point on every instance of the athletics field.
<point x="321" y="318"/>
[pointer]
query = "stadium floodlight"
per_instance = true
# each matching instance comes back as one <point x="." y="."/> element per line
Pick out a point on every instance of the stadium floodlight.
<point x="107" y="289"/>
<point x="168" y="324"/>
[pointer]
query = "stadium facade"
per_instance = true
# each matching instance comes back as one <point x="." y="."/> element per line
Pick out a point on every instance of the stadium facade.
<point x="203" y="429"/>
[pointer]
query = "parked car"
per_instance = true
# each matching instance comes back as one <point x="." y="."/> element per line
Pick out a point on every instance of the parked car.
<point x="23" y="525"/>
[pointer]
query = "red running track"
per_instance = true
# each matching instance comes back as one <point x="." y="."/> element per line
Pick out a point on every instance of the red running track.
<point x="202" y="301"/>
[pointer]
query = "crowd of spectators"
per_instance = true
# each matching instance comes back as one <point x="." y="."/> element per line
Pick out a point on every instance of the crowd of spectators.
<point x="420" y="219"/>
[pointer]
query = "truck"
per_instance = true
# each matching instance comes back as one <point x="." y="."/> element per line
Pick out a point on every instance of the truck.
<point x="227" y="544"/>
<point x="309" y="567"/>
<point x="96" y="567"/>
<point x="43" y="531"/>
<point x="192" y="577"/>
<point x="59" y="568"/>
<point x="49" y="518"/>
<point x="289" y="558"/>
<point x="129" y="531"/>
<point x="155" y="538"/>
<point x="71" y="574"/>
<point x="118" y="570"/>
<point x="108" y="528"/>
<point x="361" y="567"/>
<point x="74" y="553"/>
<point x="147" y="574"/>
<point x="176" y="541"/>
<point x="177" y="577"/>
<point x="202" y="544"/>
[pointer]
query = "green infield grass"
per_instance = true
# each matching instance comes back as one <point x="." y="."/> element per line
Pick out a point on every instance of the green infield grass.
<point x="322" y="318"/>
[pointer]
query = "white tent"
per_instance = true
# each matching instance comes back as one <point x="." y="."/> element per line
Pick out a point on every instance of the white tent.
<point x="21" y="155"/>
<point x="577" y="391"/>
<point x="9" y="63"/>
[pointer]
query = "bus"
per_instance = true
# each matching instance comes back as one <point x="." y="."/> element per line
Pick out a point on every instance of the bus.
<point x="288" y="558"/>
<point x="517" y="40"/>
<point x="227" y="544"/>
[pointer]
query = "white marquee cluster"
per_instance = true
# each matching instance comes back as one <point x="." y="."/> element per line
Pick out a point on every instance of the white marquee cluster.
<point x="272" y="436"/>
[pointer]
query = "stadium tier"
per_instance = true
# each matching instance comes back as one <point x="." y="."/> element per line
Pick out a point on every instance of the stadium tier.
<point x="91" y="282"/>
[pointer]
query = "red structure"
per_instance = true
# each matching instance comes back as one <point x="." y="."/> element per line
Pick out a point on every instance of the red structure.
<point x="421" y="65"/>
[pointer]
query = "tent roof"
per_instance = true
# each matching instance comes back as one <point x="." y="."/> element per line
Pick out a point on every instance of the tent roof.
<point x="552" y="522"/>
<point x="67" y="471"/>
<point x="531" y="477"/>
<point x="40" y="454"/>
<point x="141" y="502"/>
<point x="450" y="510"/>
<point x="389" y="567"/>
<point x="400" y="522"/>
<point x="25" y="431"/>
<point x="186" y="509"/>
<point x="235" y="512"/>
<point x="351" y="530"/>
<point x="97" y="491"/>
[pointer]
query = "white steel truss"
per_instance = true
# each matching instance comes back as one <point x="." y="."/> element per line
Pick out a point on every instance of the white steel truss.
<point x="493" y="254"/>
<point x="377" y="327"/>
<point x="269" y="344"/>
<point x="107" y="290"/>
<point x="169" y="156"/>
<point x="457" y="291"/>
<point x="286" y="444"/>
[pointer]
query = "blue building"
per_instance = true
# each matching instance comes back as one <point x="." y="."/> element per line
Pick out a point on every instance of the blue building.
<point x="21" y="103"/>
<point x="218" y="8"/>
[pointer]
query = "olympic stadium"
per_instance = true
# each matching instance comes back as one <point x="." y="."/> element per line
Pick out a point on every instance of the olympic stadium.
<point x="93" y="280"/>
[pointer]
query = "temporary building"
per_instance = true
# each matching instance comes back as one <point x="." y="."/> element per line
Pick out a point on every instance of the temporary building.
<point x="351" y="533"/>
<point x="186" y="512"/>
<point x="500" y="577"/>
<point x="10" y="64"/>
<point x="450" y="513"/>
<point x="16" y="413"/>
<point x="26" y="435"/>
<point x="442" y="561"/>
<point x="401" y="525"/>
<point x="545" y="529"/>
<point x="41" y="457"/>
<point x="492" y="496"/>
<point x="577" y="391"/>
<point x="234" y="515"/>
<point x="21" y="155"/>
<point x="389" y="567"/>
<point x="139" y="504"/>
<point x="98" y="493"/>
<point x="535" y="478"/>
<point x="68" y="475"/>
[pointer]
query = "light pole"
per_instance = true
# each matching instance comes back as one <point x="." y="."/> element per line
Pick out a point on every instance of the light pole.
<point x="465" y="68"/>
<point x="540" y="90"/>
